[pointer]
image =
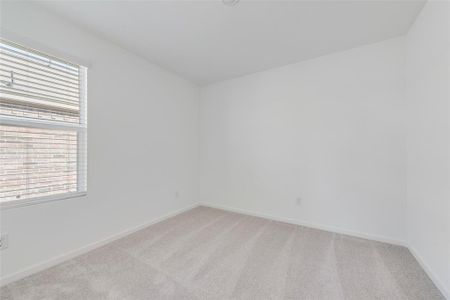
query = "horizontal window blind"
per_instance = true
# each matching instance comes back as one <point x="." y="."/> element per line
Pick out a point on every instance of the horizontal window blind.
<point x="36" y="86"/>
<point x="42" y="124"/>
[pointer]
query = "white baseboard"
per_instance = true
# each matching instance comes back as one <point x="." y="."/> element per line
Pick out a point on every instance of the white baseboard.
<point x="54" y="261"/>
<point x="311" y="225"/>
<point x="429" y="272"/>
<point x="59" y="259"/>
<point x="413" y="251"/>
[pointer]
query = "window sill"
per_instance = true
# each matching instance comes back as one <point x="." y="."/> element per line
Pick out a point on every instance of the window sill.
<point x="39" y="200"/>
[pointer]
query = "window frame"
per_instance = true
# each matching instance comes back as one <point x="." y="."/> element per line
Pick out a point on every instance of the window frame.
<point x="80" y="128"/>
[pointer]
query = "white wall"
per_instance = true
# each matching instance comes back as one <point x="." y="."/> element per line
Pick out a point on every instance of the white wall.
<point x="139" y="154"/>
<point x="428" y="139"/>
<point x="329" y="130"/>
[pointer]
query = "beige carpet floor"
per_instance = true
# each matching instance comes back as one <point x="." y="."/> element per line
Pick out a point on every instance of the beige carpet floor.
<point x="207" y="253"/>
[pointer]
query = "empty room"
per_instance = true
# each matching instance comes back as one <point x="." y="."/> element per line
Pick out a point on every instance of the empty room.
<point x="225" y="149"/>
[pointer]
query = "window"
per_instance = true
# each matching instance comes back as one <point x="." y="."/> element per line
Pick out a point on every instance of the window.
<point x="42" y="127"/>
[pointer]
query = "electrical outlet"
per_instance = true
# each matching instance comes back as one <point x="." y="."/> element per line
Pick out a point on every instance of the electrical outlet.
<point x="177" y="194"/>
<point x="299" y="201"/>
<point x="3" y="241"/>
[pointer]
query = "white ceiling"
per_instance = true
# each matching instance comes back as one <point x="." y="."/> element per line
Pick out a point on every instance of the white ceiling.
<point x="206" y="41"/>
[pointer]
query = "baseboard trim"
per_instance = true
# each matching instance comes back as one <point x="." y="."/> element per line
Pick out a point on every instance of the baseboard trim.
<point x="69" y="255"/>
<point x="429" y="272"/>
<point x="57" y="260"/>
<point x="310" y="225"/>
<point x="413" y="251"/>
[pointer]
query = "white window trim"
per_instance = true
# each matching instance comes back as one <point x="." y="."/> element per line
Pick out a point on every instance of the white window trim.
<point x="81" y="128"/>
<point x="81" y="157"/>
<point x="17" y="121"/>
<point x="40" y="200"/>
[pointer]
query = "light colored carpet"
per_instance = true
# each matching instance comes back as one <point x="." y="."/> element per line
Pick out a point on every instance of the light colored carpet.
<point x="207" y="253"/>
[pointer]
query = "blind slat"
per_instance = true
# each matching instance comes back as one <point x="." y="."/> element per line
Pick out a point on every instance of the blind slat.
<point x="23" y="91"/>
<point x="17" y="63"/>
<point x="7" y="68"/>
<point x="37" y="79"/>
<point x="51" y="88"/>
<point x="41" y="63"/>
<point x="51" y="92"/>
<point x="53" y="168"/>
<point x="38" y="183"/>
<point x="29" y="175"/>
<point x="35" y="101"/>
<point x="64" y="185"/>
<point x="24" y="132"/>
<point x="30" y="53"/>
